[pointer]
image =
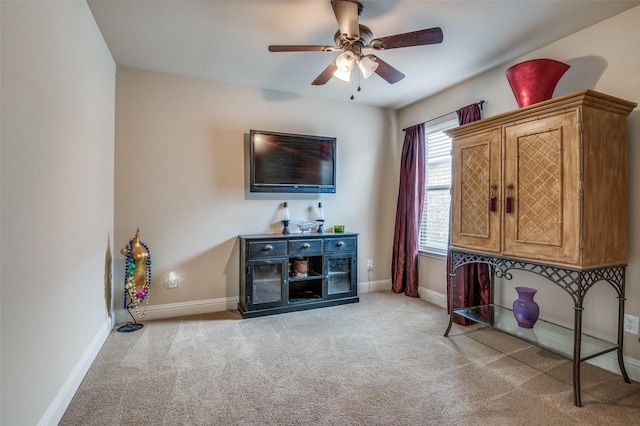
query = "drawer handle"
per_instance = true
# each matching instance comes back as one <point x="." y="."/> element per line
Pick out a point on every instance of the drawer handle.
<point x="305" y="246"/>
<point x="267" y="247"/>
<point x="340" y="243"/>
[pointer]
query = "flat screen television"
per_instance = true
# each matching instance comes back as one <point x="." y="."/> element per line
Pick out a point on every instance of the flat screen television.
<point x="283" y="162"/>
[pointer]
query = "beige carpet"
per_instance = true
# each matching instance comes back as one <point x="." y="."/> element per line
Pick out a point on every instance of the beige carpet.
<point x="382" y="361"/>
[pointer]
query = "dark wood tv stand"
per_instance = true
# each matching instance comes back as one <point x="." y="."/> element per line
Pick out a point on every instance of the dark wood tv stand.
<point x="271" y="281"/>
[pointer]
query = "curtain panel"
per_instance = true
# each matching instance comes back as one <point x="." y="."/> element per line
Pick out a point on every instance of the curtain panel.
<point x="405" y="261"/>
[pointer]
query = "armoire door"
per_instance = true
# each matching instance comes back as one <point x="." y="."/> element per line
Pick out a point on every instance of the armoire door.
<point x="542" y="175"/>
<point x="475" y="192"/>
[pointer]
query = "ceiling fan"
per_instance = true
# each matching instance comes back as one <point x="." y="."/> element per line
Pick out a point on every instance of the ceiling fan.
<point x="352" y="37"/>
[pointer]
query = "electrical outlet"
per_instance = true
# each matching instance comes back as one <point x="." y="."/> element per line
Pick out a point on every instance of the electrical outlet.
<point x="369" y="264"/>
<point x="172" y="280"/>
<point x="630" y="324"/>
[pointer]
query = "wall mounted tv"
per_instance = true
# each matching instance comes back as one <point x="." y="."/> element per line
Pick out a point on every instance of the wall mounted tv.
<point x="283" y="162"/>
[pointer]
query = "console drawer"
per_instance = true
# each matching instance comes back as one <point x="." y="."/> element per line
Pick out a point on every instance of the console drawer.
<point x="305" y="247"/>
<point x="267" y="249"/>
<point x="337" y="245"/>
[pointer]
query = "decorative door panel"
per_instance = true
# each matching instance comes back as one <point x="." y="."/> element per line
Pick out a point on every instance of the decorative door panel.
<point x="268" y="287"/>
<point x="542" y="178"/>
<point x="475" y="192"/>
<point x="341" y="280"/>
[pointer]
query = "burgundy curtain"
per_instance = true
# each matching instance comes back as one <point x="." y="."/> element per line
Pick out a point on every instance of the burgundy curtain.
<point x="472" y="281"/>
<point x="404" y="264"/>
<point x="469" y="114"/>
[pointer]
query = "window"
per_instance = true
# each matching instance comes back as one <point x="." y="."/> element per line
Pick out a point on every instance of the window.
<point x="434" y="226"/>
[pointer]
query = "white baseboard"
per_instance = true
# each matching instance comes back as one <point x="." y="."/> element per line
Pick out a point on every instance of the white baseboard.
<point x="369" y="286"/>
<point x="172" y="310"/>
<point x="61" y="402"/>
<point x="607" y="361"/>
<point x="434" y="297"/>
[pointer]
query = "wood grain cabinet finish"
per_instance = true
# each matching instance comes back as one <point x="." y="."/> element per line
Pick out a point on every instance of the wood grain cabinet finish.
<point x="558" y="172"/>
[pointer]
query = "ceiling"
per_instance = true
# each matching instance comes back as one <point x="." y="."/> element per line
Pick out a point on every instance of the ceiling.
<point x="227" y="40"/>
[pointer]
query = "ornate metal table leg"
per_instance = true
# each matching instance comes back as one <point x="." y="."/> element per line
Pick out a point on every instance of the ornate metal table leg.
<point x="623" y="371"/>
<point x="452" y="277"/>
<point x="577" y="341"/>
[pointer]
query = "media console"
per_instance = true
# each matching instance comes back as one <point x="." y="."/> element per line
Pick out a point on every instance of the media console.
<point x="285" y="273"/>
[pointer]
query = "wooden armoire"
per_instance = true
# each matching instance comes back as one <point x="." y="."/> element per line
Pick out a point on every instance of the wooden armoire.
<point x="546" y="183"/>
<point x="543" y="189"/>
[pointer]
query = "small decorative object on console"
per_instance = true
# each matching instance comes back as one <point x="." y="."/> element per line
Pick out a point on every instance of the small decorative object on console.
<point x="300" y="267"/>
<point x="320" y="219"/>
<point x="306" y="225"/>
<point x="285" y="219"/>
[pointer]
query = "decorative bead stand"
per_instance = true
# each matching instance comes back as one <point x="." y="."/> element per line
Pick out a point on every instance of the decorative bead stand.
<point x="130" y="326"/>
<point x="546" y="335"/>
<point x="132" y="301"/>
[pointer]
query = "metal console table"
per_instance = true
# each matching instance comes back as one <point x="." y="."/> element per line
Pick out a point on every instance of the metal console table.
<point x="568" y="343"/>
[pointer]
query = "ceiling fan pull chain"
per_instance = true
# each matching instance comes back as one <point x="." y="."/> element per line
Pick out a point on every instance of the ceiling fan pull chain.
<point x="352" y="83"/>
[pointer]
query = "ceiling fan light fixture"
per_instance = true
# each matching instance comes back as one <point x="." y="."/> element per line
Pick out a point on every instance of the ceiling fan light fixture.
<point x="352" y="37"/>
<point x="368" y="66"/>
<point x="346" y="61"/>
<point x="342" y="75"/>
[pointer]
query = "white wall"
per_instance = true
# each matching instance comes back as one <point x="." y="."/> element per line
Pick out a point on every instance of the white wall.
<point x="180" y="178"/>
<point x="606" y="58"/>
<point x="57" y="110"/>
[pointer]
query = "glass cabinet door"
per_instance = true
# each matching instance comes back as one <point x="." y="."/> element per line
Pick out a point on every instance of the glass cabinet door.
<point x="341" y="275"/>
<point x="267" y="282"/>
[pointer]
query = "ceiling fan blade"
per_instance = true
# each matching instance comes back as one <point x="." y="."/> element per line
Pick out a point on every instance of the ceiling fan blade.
<point x="347" y="12"/>
<point x="294" y="48"/>
<point x="325" y="75"/>
<point x="414" y="38"/>
<point x="386" y="71"/>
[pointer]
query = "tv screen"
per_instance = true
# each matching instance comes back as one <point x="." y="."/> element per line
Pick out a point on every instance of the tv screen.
<point x="283" y="162"/>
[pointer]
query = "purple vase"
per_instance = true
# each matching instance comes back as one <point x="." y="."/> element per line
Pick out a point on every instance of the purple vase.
<point x="525" y="309"/>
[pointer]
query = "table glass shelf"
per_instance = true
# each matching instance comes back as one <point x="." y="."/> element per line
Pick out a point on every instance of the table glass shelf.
<point x="549" y="336"/>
